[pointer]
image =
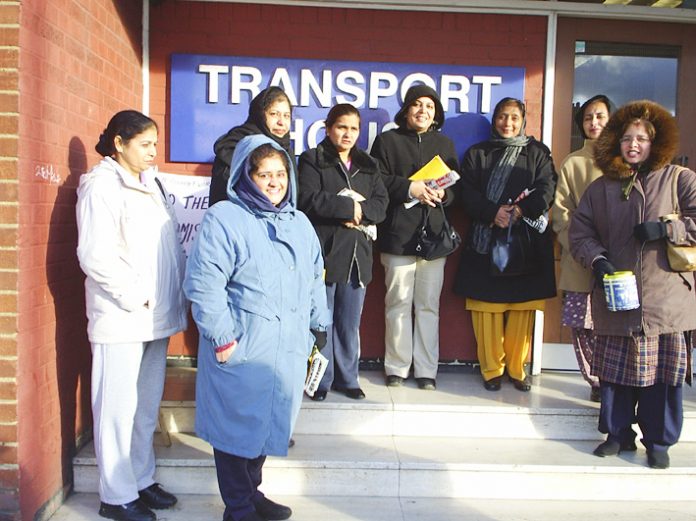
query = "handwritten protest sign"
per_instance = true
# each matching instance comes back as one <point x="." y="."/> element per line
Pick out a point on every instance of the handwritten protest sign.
<point x="188" y="195"/>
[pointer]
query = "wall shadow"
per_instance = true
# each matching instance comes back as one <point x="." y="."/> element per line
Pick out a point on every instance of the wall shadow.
<point x="131" y="15"/>
<point x="66" y="284"/>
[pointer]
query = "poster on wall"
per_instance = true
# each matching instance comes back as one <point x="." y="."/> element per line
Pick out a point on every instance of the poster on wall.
<point x="211" y="94"/>
<point x="188" y="195"/>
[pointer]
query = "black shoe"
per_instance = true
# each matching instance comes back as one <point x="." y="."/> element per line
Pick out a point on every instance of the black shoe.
<point x="291" y="443"/>
<point x="658" y="459"/>
<point x="271" y="510"/>
<point x="394" y="381"/>
<point x="607" y="448"/>
<point x="133" y="511"/>
<point x="156" y="497"/>
<point x="493" y="384"/>
<point x="595" y="394"/>
<point x="319" y="396"/>
<point x="427" y="384"/>
<point x="355" y="394"/>
<point x="252" y="516"/>
<point x="521" y="385"/>
<point x="613" y="447"/>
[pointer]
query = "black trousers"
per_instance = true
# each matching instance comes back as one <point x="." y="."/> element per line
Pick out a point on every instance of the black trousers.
<point x="238" y="479"/>
<point x="657" y="409"/>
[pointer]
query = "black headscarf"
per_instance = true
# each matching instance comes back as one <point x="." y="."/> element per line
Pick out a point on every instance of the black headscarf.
<point x="225" y="144"/>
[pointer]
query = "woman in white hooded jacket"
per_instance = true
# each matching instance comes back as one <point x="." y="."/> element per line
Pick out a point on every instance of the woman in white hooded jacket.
<point x="134" y="265"/>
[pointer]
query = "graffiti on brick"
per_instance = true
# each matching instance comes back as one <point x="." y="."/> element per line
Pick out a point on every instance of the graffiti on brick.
<point x="48" y="173"/>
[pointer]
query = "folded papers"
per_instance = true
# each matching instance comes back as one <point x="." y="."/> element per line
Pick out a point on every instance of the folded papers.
<point x="436" y="175"/>
<point x="370" y="230"/>
<point x="316" y="367"/>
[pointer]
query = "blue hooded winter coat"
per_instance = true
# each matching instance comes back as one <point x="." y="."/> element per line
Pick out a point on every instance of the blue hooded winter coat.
<point x="255" y="277"/>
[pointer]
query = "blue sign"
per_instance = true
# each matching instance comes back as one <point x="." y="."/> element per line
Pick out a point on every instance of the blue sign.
<point x="211" y="94"/>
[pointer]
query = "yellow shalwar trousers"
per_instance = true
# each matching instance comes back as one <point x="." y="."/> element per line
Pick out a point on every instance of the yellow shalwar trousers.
<point x="503" y="335"/>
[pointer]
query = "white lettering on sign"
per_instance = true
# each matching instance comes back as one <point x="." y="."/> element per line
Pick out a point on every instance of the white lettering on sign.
<point x="349" y="86"/>
<point x="213" y="71"/>
<point x="486" y="82"/>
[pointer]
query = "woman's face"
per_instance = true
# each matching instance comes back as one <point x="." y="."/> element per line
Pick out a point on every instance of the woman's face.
<point x="278" y="116"/>
<point x="594" y="119"/>
<point x="420" y="114"/>
<point x="139" y="153"/>
<point x="272" y="179"/>
<point x="344" y="132"/>
<point x="508" y="121"/>
<point x="635" y="144"/>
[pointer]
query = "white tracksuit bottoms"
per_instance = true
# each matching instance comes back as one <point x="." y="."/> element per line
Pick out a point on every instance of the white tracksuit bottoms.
<point x="127" y="386"/>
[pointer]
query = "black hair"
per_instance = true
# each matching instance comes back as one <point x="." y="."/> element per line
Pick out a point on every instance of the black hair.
<point x="263" y="152"/>
<point x="337" y="111"/>
<point x="580" y="113"/>
<point x="126" y="124"/>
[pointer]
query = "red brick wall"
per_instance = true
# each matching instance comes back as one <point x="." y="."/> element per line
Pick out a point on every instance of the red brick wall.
<point x="9" y="123"/>
<point x="80" y="62"/>
<point x="361" y="35"/>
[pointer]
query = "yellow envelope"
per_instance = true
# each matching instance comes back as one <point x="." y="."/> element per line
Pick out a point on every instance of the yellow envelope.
<point x="434" y="169"/>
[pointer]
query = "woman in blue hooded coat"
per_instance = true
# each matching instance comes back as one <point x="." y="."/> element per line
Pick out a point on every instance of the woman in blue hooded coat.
<point x="255" y="282"/>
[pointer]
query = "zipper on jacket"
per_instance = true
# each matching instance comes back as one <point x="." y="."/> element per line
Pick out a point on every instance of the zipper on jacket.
<point x="354" y="258"/>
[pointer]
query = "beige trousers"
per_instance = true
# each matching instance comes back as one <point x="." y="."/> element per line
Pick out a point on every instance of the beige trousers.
<point x="413" y="292"/>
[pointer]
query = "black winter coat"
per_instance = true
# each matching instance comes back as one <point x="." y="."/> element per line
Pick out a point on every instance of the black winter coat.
<point x="321" y="175"/>
<point x="534" y="170"/>
<point x="401" y="153"/>
<point x="225" y="145"/>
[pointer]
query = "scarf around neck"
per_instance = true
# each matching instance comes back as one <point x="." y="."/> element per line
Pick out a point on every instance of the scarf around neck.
<point x="500" y="174"/>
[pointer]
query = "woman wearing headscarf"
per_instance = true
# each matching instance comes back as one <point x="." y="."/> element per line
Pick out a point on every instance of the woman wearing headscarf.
<point x="578" y="170"/>
<point x="509" y="177"/>
<point x="642" y="356"/>
<point x="255" y="282"/>
<point x="413" y="283"/>
<point x="270" y="114"/>
<point x="342" y="193"/>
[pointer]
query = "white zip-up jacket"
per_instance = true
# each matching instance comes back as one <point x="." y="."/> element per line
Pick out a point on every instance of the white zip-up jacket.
<point x="129" y="249"/>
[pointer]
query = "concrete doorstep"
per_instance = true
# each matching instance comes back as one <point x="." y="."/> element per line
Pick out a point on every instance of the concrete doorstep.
<point x="457" y="453"/>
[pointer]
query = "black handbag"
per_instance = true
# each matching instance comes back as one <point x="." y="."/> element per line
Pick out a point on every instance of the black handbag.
<point x="512" y="251"/>
<point x="432" y="245"/>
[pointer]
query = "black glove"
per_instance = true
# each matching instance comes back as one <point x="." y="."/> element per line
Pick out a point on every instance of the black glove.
<point x="320" y="338"/>
<point x="602" y="267"/>
<point x="650" y="231"/>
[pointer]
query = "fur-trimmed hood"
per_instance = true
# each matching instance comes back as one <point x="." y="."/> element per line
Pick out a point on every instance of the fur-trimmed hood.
<point x="663" y="148"/>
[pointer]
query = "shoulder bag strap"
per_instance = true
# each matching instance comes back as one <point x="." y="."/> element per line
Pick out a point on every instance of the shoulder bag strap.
<point x="676" y="170"/>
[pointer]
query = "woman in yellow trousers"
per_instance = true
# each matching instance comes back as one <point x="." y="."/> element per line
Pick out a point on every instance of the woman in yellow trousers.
<point x="507" y="181"/>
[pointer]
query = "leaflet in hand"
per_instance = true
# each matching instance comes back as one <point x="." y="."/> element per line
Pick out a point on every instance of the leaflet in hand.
<point x="315" y="371"/>
<point x="540" y="223"/>
<point x="436" y="175"/>
<point x="368" y="229"/>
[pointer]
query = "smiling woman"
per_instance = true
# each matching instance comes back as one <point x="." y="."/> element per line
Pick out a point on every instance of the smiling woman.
<point x="414" y="284"/>
<point x="504" y="180"/>
<point x="254" y="279"/>
<point x="623" y="223"/>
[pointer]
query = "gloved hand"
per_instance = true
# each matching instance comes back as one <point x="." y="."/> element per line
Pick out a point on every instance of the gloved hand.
<point x="602" y="267"/>
<point x="650" y="231"/>
<point x="320" y="338"/>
